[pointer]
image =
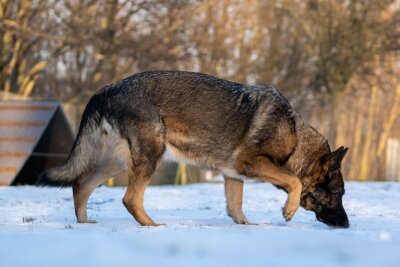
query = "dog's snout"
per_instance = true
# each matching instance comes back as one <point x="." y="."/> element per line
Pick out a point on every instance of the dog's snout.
<point x="334" y="217"/>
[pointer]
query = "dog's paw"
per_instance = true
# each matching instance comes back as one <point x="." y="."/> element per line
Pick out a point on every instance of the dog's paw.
<point x="243" y="220"/>
<point x="288" y="211"/>
<point x="87" y="221"/>
<point x="287" y="215"/>
<point x="238" y="217"/>
<point x="291" y="206"/>
<point x="153" y="224"/>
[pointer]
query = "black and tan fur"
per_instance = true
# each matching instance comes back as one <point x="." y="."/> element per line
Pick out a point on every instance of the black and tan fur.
<point x="244" y="131"/>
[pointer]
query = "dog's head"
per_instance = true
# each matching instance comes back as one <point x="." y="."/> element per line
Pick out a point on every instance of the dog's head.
<point x="325" y="190"/>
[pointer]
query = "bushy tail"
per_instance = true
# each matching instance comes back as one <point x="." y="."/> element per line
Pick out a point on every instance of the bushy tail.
<point x="82" y="157"/>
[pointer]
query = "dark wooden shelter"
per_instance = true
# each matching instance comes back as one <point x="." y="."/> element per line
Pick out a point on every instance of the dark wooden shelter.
<point x="34" y="136"/>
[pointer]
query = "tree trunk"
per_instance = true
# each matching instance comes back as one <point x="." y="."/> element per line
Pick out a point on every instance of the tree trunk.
<point x="338" y="114"/>
<point x="369" y="135"/>
<point x="393" y="115"/>
<point x="355" y="149"/>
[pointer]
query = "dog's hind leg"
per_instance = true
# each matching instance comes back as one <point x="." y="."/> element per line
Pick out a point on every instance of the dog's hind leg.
<point x="81" y="192"/>
<point x="113" y="158"/>
<point x="234" y="199"/>
<point x="261" y="168"/>
<point x="133" y="199"/>
<point x="147" y="148"/>
<point x="83" y="188"/>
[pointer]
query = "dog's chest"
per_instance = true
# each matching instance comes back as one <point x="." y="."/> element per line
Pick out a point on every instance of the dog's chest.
<point x="172" y="154"/>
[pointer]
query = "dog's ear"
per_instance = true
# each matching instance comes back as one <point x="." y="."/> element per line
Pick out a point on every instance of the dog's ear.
<point x="333" y="160"/>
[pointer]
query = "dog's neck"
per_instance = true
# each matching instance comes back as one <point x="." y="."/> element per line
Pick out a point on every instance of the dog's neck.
<point x="311" y="145"/>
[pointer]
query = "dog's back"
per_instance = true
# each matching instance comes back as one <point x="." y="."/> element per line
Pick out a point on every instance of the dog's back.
<point x="205" y="118"/>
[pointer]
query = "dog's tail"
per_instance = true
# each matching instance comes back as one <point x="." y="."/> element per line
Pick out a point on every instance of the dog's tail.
<point x="82" y="157"/>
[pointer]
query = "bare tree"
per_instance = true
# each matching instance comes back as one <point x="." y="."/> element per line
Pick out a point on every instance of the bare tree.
<point x="323" y="54"/>
<point x="29" y="42"/>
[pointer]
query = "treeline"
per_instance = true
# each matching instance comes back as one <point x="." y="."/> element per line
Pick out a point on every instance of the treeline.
<point x="337" y="60"/>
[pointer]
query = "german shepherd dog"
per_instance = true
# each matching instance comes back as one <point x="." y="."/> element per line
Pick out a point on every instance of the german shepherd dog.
<point x="243" y="131"/>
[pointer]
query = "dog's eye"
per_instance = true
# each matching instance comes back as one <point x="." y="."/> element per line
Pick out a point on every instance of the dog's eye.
<point x="338" y="196"/>
<point x="321" y="187"/>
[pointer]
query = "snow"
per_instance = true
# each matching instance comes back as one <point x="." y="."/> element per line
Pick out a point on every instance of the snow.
<point x="38" y="228"/>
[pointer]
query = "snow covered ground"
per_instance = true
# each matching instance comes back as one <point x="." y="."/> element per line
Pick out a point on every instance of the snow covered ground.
<point x="37" y="228"/>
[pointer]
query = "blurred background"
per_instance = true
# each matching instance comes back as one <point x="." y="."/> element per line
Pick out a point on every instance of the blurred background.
<point x="338" y="62"/>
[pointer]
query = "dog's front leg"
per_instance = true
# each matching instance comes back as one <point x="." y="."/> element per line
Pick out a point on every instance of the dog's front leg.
<point x="234" y="199"/>
<point x="261" y="168"/>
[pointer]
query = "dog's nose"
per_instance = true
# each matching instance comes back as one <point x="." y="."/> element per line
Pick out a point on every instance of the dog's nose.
<point x="344" y="225"/>
<point x="334" y="218"/>
<point x="335" y="224"/>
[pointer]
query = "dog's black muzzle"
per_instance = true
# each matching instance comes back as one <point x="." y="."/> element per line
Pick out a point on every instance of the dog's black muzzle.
<point x="336" y="217"/>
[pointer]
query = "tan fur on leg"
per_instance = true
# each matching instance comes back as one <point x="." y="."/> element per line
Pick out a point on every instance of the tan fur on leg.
<point x="81" y="195"/>
<point x="261" y="168"/>
<point x="133" y="200"/>
<point x="234" y="198"/>
<point x="147" y="147"/>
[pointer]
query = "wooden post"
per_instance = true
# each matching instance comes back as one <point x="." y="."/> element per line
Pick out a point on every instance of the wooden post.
<point x="393" y="160"/>
<point x="181" y="174"/>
